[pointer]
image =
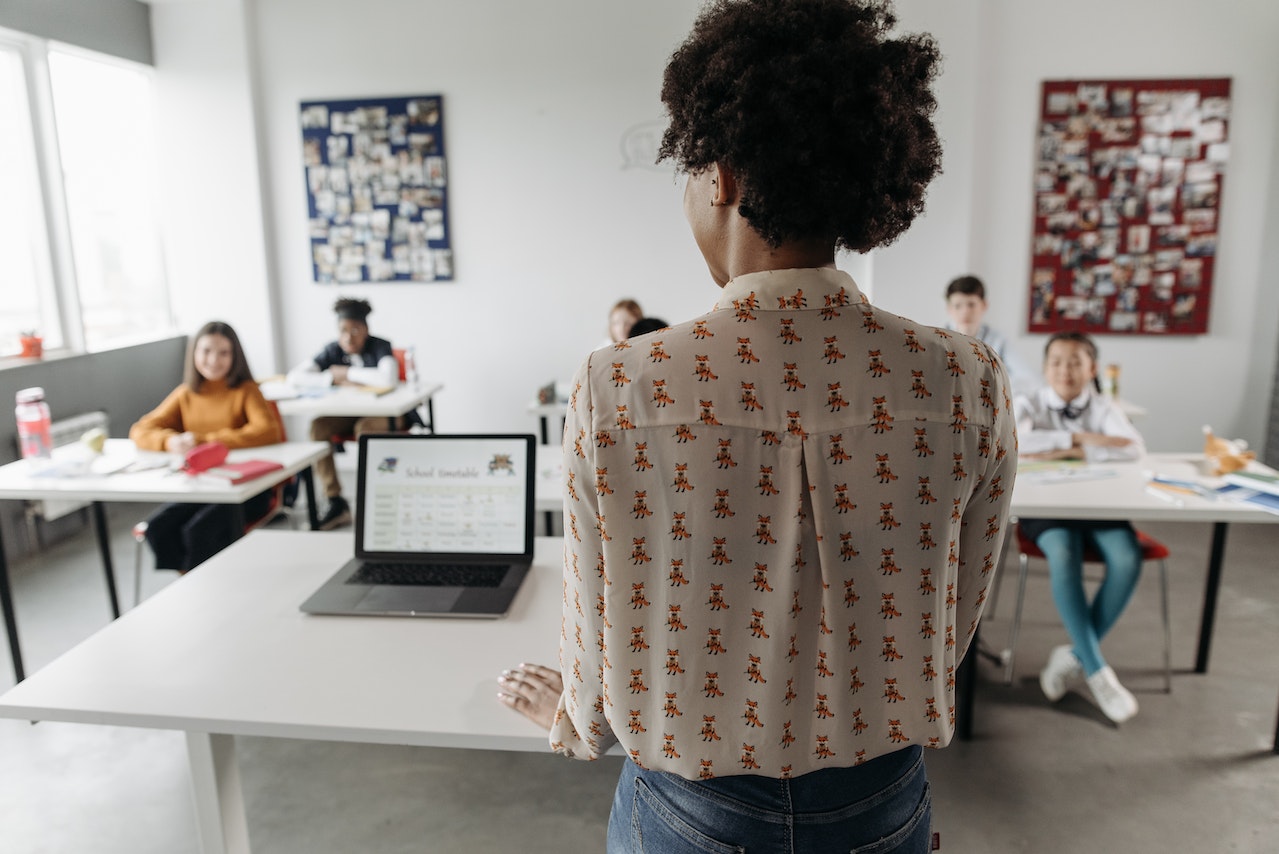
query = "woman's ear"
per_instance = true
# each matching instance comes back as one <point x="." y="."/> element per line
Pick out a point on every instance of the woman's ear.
<point x="724" y="181"/>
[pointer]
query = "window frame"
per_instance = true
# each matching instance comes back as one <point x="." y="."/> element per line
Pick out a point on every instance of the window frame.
<point x="66" y="310"/>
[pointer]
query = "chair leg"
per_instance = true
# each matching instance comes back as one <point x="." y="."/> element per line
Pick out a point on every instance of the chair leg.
<point x="139" y="537"/>
<point x="1163" y="608"/>
<point x="1015" y="629"/>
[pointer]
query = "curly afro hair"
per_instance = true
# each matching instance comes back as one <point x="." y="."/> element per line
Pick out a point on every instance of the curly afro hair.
<point x="348" y="308"/>
<point x="825" y="121"/>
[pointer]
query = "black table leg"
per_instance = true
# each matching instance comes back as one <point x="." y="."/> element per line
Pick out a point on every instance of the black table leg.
<point x="10" y="623"/>
<point x="1276" y="733"/>
<point x="543" y="428"/>
<point x="965" y="688"/>
<point x="312" y="513"/>
<point x="430" y="414"/>
<point x="1211" y="588"/>
<point x="104" y="546"/>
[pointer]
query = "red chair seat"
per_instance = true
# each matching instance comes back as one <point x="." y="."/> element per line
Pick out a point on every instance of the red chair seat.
<point x="1151" y="549"/>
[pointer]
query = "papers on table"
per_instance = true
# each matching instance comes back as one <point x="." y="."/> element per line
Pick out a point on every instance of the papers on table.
<point x="1061" y="471"/>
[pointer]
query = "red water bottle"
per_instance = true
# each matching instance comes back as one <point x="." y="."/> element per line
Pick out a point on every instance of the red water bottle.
<point x="34" y="424"/>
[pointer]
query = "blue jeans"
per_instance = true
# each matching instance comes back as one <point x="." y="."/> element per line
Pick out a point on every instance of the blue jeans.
<point x="1087" y="623"/>
<point x="881" y="806"/>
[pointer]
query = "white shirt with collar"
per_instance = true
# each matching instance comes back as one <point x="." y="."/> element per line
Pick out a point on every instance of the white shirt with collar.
<point x="1042" y="425"/>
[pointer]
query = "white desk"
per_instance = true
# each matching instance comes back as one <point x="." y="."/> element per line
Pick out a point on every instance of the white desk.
<point x="18" y="480"/>
<point x="352" y="402"/>
<point x="1124" y="496"/>
<point x="247" y="662"/>
<point x="545" y="412"/>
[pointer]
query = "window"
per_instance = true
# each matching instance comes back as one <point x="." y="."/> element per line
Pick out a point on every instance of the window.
<point x="80" y="244"/>
<point x="29" y="303"/>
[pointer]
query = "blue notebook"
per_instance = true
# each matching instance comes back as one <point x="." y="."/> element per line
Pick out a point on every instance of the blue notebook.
<point x="1260" y="500"/>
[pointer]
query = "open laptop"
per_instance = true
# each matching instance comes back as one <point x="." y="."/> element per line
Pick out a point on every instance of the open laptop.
<point x="443" y="527"/>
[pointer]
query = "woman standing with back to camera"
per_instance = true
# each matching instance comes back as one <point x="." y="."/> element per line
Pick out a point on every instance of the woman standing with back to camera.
<point x="781" y="517"/>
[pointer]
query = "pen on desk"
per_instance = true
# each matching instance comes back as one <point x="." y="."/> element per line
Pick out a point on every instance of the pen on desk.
<point x="1159" y="493"/>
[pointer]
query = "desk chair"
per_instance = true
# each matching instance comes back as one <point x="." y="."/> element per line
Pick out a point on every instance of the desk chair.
<point x="1151" y="549"/>
<point x="276" y="507"/>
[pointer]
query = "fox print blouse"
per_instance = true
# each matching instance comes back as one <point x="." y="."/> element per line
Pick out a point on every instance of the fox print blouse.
<point x="781" y="521"/>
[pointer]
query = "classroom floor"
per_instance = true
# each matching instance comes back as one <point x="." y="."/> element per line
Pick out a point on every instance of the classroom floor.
<point x="1193" y="772"/>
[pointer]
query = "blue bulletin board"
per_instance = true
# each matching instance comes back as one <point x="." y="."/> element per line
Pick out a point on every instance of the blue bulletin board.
<point x="377" y="190"/>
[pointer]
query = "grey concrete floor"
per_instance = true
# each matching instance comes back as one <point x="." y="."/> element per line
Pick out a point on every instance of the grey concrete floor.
<point x="1193" y="772"/>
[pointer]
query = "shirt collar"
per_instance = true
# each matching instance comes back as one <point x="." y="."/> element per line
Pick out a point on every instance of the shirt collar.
<point x="781" y="290"/>
<point x="1055" y="401"/>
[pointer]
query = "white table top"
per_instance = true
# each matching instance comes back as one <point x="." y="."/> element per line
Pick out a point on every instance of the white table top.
<point x="19" y="480"/>
<point x="225" y="650"/>
<point x="555" y="407"/>
<point x="549" y="471"/>
<point x="356" y="403"/>
<point x="1086" y="494"/>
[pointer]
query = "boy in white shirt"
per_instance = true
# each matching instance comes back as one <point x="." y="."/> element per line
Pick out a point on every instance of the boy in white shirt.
<point x="966" y="309"/>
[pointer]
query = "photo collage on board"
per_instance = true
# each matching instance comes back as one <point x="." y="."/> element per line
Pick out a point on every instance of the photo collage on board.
<point x="1128" y="182"/>
<point x="377" y="190"/>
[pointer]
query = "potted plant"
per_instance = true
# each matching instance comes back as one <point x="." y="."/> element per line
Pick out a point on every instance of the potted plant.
<point x="32" y="344"/>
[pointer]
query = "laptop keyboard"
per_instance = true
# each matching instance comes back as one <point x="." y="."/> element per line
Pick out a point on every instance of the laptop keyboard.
<point x="429" y="575"/>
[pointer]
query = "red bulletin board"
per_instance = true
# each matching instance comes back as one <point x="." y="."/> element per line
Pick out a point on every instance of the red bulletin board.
<point x="1128" y="183"/>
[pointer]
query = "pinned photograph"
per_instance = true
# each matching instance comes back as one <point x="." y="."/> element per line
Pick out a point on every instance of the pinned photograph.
<point x="1154" y="322"/>
<point x="1121" y="101"/>
<point x="1060" y="103"/>
<point x="1200" y="220"/>
<point x="1200" y="195"/>
<point x="1128" y="299"/>
<point x="1183" y="306"/>
<point x="1172" y="235"/>
<point x="1168" y="259"/>
<point x="1201" y="245"/>
<point x="1095" y="312"/>
<point x="1192" y="272"/>
<point x="1123" y="321"/>
<point x="315" y="116"/>
<point x="1215" y="108"/>
<point x="1071" y="308"/>
<point x="1159" y="203"/>
<point x="1138" y="239"/>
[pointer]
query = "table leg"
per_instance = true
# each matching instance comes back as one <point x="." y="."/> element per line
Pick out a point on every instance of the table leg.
<point x="1211" y="588"/>
<point x="219" y="798"/>
<point x="965" y="688"/>
<point x="430" y="414"/>
<point x="543" y="429"/>
<point x="1276" y="749"/>
<point x="104" y="546"/>
<point x="312" y="512"/>
<point x="10" y="622"/>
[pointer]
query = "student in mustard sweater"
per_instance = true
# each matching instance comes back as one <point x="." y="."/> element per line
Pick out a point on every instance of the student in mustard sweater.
<point x="218" y="402"/>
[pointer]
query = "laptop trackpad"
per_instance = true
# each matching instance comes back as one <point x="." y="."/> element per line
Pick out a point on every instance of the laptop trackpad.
<point x="400" y="600"/>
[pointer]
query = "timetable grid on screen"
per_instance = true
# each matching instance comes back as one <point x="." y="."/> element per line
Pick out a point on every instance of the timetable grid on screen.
<point x="463" y="497"/>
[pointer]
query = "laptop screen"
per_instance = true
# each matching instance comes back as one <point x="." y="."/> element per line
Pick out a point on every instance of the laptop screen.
<point x="469" y="496"/>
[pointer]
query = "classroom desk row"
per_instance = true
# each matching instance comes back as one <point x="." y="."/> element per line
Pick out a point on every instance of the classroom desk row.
<point x="154" y="482"/>
<point x="215" y="687"/>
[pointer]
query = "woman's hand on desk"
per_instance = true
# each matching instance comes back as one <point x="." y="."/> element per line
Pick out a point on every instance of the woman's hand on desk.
<point x="533" y="691"/>
<point x="180" y="443"/>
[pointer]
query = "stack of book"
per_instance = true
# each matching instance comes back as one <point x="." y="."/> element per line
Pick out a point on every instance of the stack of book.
<point x="1260" y="489"/>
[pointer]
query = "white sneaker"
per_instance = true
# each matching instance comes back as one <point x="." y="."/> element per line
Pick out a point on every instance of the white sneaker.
<point x="1062" y="667"/>
<point x="1115" y="700"/>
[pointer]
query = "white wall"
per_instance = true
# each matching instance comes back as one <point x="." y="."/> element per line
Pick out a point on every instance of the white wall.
<point x="213" y="229"/>
<point x="1222" y="378"/>
<point x="550" y="226"/>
